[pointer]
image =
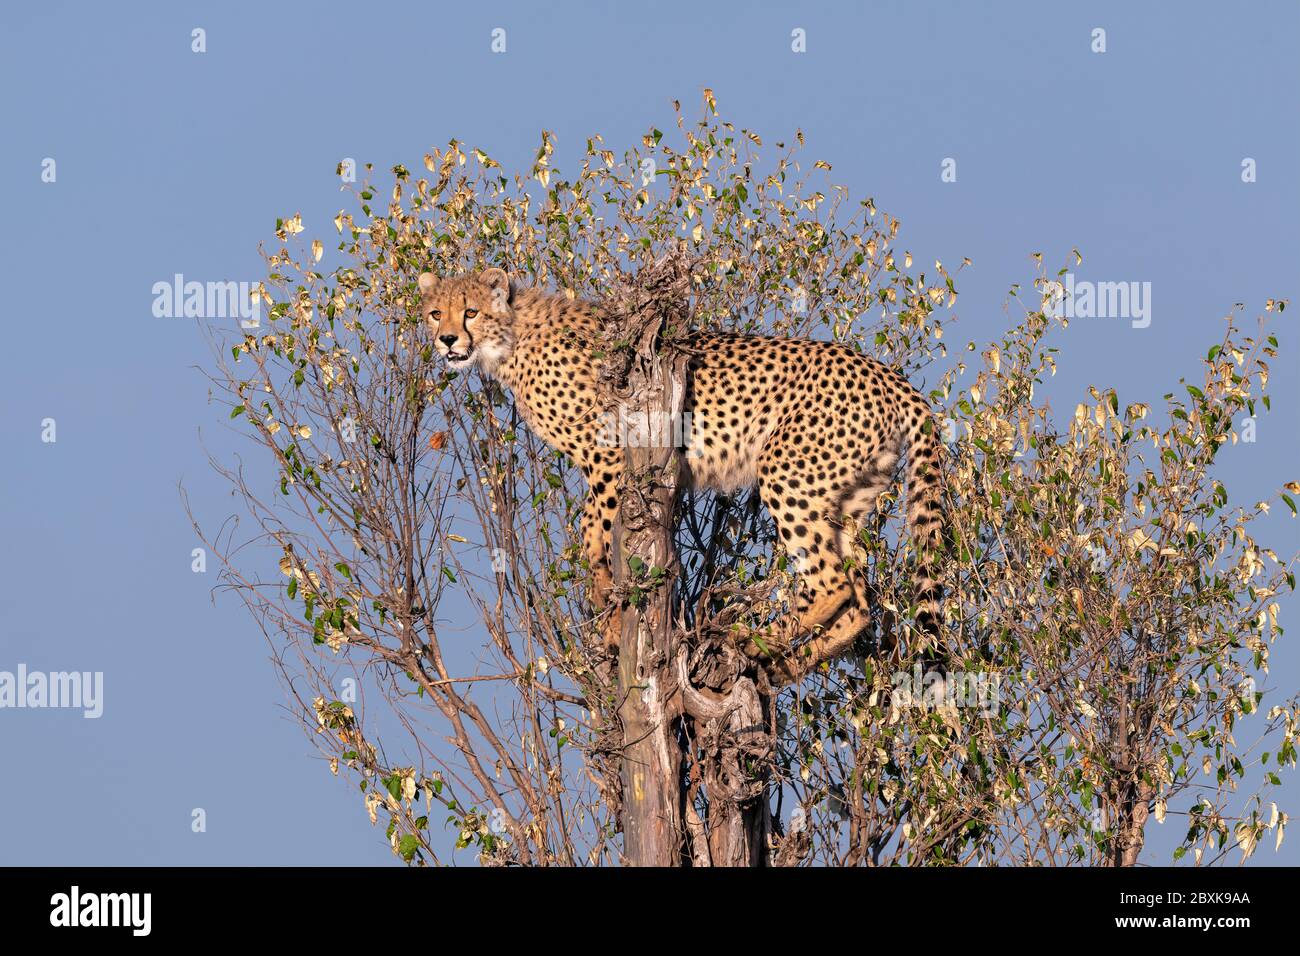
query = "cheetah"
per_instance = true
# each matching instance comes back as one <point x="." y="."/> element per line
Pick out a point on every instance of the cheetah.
<point x="817" y="425"/>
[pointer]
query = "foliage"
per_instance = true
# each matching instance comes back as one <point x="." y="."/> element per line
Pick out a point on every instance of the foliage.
<point x="1108" y="610"/>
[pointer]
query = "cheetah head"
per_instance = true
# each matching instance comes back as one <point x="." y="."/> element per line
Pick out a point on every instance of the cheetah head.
<point x="471" y="317"/>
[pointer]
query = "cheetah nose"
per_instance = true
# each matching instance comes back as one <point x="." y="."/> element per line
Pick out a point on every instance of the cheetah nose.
<point x="449" y="340"/>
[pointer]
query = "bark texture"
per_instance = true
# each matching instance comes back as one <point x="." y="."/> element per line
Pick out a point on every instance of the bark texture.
<point x="645" y="386"/>
<point x="695" y="713"/>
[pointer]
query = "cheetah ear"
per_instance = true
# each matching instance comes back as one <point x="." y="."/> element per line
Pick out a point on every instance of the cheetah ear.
<point x="498" y="281"/>
<point x="427" y="281"/>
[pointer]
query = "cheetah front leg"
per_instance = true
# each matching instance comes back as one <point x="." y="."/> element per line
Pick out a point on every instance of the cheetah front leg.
<point x="597" y="524"/>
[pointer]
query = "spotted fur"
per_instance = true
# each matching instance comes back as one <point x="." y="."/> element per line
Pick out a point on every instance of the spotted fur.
<point x="818" y="426"/>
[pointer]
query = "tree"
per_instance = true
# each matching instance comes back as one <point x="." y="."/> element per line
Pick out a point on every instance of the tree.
<point x="1107" y="612"/>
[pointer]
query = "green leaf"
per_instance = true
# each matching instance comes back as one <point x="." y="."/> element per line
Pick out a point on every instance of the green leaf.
<point x="407" y="846"/>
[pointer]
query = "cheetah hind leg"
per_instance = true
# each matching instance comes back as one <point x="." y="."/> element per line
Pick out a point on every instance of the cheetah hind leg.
<point x="830" y="617"/>
<point x="789" y="663"/>
<point x="834" y="607"/>
<point x="825" y="643"/>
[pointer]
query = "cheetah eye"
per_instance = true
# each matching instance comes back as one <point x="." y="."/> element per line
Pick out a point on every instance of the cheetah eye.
<point x="470" y="313"/>
<point x="436" y="314"/>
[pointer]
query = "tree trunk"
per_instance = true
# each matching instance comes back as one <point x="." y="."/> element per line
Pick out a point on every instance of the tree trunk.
<point x="653" y="788"/>
<point x="732" y="734"/>
<point x="717" y="734"/>
<point x="645" y="570"/>
<point x="1131" y="831"/>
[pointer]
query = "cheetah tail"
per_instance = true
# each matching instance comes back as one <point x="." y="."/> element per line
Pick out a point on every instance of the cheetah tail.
<point x="925" y="521"/>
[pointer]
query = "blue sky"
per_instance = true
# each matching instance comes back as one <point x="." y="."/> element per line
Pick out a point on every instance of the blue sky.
<point x="173" y="161"/>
